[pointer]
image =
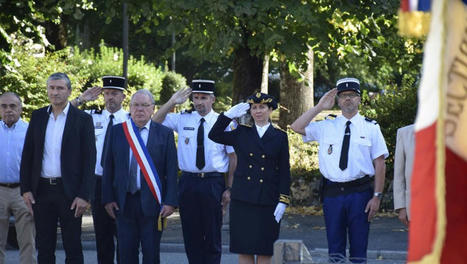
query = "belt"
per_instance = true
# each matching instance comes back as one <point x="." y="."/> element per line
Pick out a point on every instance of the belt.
<point x="203" y="174"/>
<point x="338" y="188"/>
<point x="10" y="185"/>
<point x="51" y="181"/>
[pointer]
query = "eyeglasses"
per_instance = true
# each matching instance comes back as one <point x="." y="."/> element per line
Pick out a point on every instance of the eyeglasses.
<point x="141" y="105"/>
<point x="349" y="95"/>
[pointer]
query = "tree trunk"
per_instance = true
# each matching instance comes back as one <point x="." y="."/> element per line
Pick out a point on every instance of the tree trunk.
<point x="246" y="74"/>
<point x="296" y="94"/>
<point x="125" y="43"/>
<point x="265" y="74"/>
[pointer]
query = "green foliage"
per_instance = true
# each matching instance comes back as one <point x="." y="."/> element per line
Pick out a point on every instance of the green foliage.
<point x="27" y="73"/>
<point x="171" y="83"/>
<point x="396" y="108"/>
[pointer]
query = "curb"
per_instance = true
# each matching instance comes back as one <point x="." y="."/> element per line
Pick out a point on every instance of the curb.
<point x="180" y="248"/>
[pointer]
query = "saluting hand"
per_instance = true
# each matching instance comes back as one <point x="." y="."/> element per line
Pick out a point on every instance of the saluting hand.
<point x="181" y="96"/>
<point x="328" y="100"/>
<point x="237" y="110"/>
<point x="91" y="94"/>
<point x="80" y="206"/>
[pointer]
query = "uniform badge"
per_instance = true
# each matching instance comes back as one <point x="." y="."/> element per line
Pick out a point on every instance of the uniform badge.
<point x="187" y="140"/>
<point x="98" y="125"/>
<point x="330" y="150"/>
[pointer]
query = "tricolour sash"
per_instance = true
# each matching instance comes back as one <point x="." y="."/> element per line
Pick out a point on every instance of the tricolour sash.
<point x="144" y="160"/>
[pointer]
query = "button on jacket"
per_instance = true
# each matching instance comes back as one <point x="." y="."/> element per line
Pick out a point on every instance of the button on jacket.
<point x="263" y="169"/>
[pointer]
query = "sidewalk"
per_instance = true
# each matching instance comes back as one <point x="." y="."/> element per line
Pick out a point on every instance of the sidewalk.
<point x="388" y="237"/>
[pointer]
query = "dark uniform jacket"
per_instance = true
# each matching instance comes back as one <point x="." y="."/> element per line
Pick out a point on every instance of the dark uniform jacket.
<point x="262" y="175"/>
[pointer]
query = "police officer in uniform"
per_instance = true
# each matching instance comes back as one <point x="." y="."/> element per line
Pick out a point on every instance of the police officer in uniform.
<point x="203" y="164"/>
<point x="113" y="113"/>
<point x="352" y="152"/>
<point x="261" y="186"/>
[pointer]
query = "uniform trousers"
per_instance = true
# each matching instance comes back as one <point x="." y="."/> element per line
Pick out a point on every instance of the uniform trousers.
<point x="346" y="214"/>
<point x="11" y="202"/>
<point x="104" y="227"/>
<point x="201" y="215"/>
<point x="133" y="229"/>
<point x="53" y="206"/>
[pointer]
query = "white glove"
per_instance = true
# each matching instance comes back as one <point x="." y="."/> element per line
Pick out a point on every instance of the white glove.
<point x="279" y="212"/>
<point x="237" y="110"/>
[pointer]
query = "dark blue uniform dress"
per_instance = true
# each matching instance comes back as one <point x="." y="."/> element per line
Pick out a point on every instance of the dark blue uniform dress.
<point x="261" y="180"/>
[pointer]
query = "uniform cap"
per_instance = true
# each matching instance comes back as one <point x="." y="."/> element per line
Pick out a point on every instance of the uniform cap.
<point x="348" y="84"/>
<point x="262" y="98"/>
<point x="113" y="82"/>
<point x="202" y="86"/>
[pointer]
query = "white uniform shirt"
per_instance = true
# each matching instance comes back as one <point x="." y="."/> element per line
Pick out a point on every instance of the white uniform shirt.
<point x="101" y="120"/>
<point x="262" y="130"/>
<point x="11" y="144"/>
<point x="186" y="125"/>
<point x="366" y="144"/>
<point x="144" y="135"/>
<point x="51" y="164"/>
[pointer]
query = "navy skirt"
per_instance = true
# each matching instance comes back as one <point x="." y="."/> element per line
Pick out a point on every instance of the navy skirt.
<point x="253" y="229"/>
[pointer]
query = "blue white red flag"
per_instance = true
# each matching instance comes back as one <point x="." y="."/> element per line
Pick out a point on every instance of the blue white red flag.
<point x="438" y="223"/>
<point x="414" y="18"/>
<point x="143" y="158"/>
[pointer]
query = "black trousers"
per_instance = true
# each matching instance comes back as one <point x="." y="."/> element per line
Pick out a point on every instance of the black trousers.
<point x="201" y="215"/>
<point x="53" y="207"/>
<point x="104" y="228"/>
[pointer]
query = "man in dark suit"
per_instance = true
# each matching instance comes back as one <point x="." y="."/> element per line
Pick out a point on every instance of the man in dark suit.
<point x="57" y="171"/>
<point x="125" y="190"/>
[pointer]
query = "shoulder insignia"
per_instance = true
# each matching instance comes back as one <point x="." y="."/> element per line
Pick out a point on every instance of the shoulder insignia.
<point x="278" y="128"/>
<point x="330" y="117"/>
<point x="189" y="110"/>
<point x="96" y="111"/>
<point x="371" y="121"/>
<point x="245" y="125"/>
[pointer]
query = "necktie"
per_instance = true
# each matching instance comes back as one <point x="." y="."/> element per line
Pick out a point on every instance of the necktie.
<point x="200" y="146"/>
<point x="345" y="147"/>
<point x="132" y="188"/>
<point x="106" y="139"/>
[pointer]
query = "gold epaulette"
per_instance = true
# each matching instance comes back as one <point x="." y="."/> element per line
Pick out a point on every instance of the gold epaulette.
<point x="283" y="198"/>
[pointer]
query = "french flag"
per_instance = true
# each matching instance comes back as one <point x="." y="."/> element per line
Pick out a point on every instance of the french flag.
<point x="438" y="226"/>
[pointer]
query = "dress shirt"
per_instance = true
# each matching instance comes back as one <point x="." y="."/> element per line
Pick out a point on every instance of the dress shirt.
<point x="262" y="130"/>
<point x="101" y="120"/>
<point x="51" y="164"/>
<point x="366" y="144"/>
<point x="144" y="135"/>
<point x="186" y="125"/>
<point x="11" y="144"/>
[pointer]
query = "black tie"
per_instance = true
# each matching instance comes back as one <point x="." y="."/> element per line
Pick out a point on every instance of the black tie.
<point x="345" y="147"/>
<point x="200" y="148"/>
<point x="106" y="139"/>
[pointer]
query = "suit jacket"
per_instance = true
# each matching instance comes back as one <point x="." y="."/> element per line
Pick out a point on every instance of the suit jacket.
<point x="403" y="164"/>
<point x="116" y="178"/>
<point x="77" y="157"/>
<point x="263" y="168"/>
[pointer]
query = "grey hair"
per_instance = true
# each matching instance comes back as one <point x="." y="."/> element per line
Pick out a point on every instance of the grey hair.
<point x="145" y="92"/>
<point x="15" y="95"/>
<point x="60" y="76"/>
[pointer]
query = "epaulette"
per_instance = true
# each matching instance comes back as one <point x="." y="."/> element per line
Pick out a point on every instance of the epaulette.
<point x="245" y="125"/>
<point x="96" y="111"/>
<point x="279" y="128"/>
<point x="330" y="117"/>
<point x="371" y="121"/>
<point x="186" y="111"/>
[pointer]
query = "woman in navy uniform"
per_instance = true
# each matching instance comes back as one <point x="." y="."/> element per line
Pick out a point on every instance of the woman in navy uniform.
<point x="260" y="190"/>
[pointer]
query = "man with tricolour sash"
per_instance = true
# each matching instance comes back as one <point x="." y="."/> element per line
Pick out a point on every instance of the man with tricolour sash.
<point x="140" y="180"/>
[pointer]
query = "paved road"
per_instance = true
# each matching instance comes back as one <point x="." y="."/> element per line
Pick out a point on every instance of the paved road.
<point x="387" y="243"/>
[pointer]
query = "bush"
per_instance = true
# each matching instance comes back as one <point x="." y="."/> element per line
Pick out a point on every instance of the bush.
<point x="171" y="83"/>
<point x="26" y="75"/>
